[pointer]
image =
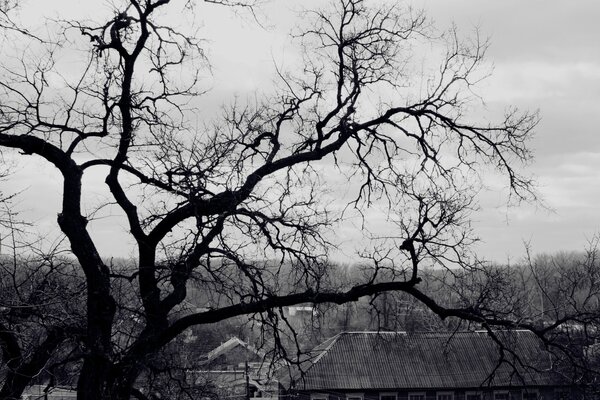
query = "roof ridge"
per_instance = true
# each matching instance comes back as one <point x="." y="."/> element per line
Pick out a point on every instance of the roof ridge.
<point x="374" y="332"/>
<point x="224" y="345"/>
<point x="334" y="340"/>
<point x="231" y="343"/>
<point x="326" y="349"/>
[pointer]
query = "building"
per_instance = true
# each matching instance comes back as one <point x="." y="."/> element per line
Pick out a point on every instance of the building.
<point x="45" y="392"/>
<point x="427" y="366"/>
<point x="237" y="370"/>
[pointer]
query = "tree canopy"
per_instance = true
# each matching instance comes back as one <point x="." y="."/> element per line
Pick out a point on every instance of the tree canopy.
<point x="238" y="206"/>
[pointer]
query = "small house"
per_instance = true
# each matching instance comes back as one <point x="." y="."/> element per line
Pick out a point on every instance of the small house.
<point x="237" y="370"/>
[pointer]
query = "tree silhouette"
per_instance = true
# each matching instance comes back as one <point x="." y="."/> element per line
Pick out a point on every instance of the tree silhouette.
<point x="225" y="205"/>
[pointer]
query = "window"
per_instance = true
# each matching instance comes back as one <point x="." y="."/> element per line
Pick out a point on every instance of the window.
<point x="416" y="396"/>
<point x="354" y="396"/>
<point x="501" y="395"/>
<point x="530" y="394"/>
<point x="561" y="394"/>
<point x="388" y="396"/>
<point x="445" y="396"/>
<point x="473" y="396"/>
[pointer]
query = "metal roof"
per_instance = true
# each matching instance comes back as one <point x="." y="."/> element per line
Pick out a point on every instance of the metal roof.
<point x="397" y="360"/>
<point x="231" y="344"/>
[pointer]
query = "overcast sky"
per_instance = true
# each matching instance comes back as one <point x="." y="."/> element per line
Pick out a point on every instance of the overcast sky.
<point x="545" y="55"/>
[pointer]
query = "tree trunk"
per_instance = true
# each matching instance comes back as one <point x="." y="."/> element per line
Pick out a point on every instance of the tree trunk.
<point x="101" y="380"/>
<point x="95" y="379"/>
<point x="14" y="386"/>
<point x="20" y="372"/>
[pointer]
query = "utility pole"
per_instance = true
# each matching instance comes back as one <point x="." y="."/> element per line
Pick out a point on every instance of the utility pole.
<point x="247" y="382"/>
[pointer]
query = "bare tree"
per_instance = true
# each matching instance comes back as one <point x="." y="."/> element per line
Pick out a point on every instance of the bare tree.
<point x="225" y="206"/>
<point x="555" y="296"/>
<point x="40" y="319"/>
<point x="567" y="288"/>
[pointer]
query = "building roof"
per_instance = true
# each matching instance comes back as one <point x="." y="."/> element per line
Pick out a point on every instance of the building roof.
<point x="398" y="360"/>
<point x="43" y="392"/>
<point x="231" y="344"/>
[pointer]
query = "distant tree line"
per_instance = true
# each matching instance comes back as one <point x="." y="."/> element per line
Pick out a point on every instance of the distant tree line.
<point x="41" y="318"/>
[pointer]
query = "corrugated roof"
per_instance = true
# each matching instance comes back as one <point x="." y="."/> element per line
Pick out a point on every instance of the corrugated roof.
<point x="394" y="360"/>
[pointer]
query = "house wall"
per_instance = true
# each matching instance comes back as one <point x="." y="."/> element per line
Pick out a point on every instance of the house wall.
<point x="544" y="393"/>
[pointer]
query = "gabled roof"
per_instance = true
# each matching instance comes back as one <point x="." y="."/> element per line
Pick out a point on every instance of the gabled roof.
<point x="230" y="345"/>
<point x="398" y="360"/>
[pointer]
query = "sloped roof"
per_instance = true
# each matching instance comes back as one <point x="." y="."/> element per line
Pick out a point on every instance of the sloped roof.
<point x="35" y="392"/>
<point x="397" y="360"/>
<point x="229" y="345"/>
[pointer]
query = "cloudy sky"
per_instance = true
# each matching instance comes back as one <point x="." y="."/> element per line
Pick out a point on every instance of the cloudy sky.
<point x="544" y="53"/>
<point x="547" y="57"/>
